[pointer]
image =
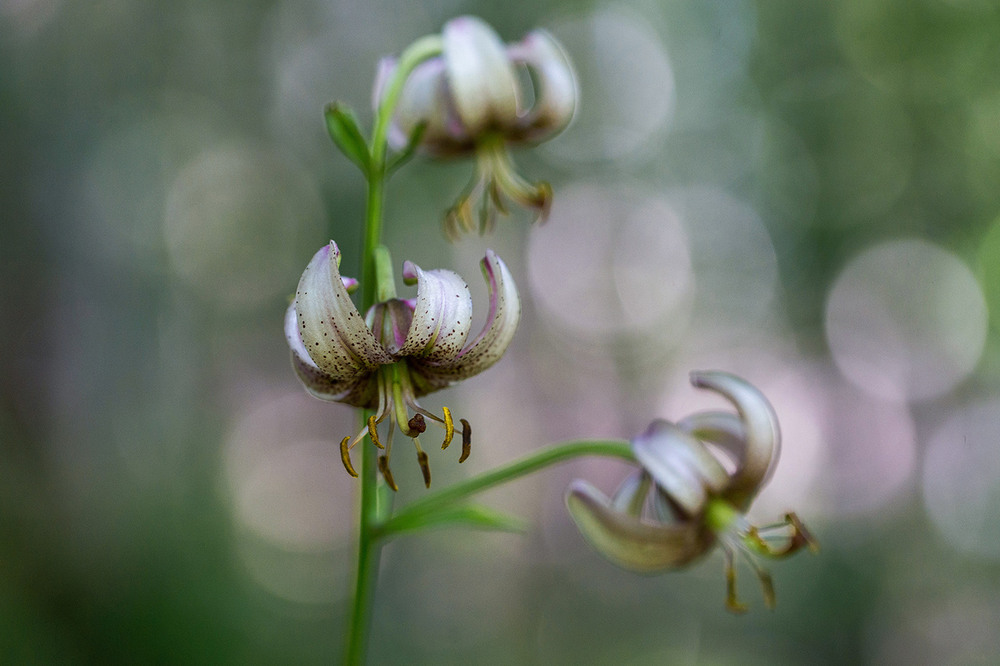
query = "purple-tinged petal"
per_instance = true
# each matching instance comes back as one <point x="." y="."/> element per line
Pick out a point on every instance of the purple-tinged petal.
<point x="350" y="284"/>
<point x="630" y="542"/>
<point x="425" y="99"/>
<point x="763" y="436"/>
<point x="331" y="330"/>
<point x="317" y="382"/>
<point x="630" y="496"/>
<point x="442" y="314"/>
<point x="555" y="85"/>
<point x="390" y="321"/>
<point x="492" y="341"/>
<point x="481" y="76"/>
<point x="680" y="465"/>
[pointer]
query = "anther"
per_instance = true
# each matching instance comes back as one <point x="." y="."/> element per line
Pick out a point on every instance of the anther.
<point x="417" y="425"/>
<point x="466" y="440"/>
<point x="345" y="457"/>
<point x="373" y="432"/>
<point x="425" y="467"/>
<point x="383" y="466"/>
<point x="449" y="428"/>
<point x="732" y="602"/>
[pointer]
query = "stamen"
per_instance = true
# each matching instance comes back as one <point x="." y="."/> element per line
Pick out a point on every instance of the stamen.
<point x="345" y="456"/>
<point x="425" y="467"/>
<point x="799" y="537"/>
<point x="766" y="583"/>
<point x="466" y="440"/>
<point x="449" y="428"/>
<point x="417" y="424"/>
<point x="732" y="603"/>
<point x="373" y="432"/>
<point x="383" y="466"/>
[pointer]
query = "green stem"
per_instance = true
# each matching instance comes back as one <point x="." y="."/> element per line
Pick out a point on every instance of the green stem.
<point x="370" y="513"/>
<point x="531" y="463"/>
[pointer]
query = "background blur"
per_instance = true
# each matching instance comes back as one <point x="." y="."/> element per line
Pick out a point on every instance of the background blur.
<point x="803" y="193"/>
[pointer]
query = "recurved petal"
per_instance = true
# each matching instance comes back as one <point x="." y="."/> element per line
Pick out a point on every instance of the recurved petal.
<point x="724" y="429"/>
<point x="497" y="333"/>
<point x="317" y="382"/>
<point x="630" y="542"/>
<point x="555" y="85"/>
<point x="330" y="328"/>
<point x="680" y="465"/>
<point x="762" y="434"/>
<point x="424" y="98"/>
<point x="630" y="496"/>
<point x="442" y="314"/>
<point x="481" y="76"/>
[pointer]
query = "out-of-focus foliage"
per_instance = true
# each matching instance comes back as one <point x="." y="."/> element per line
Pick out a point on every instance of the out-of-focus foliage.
<point x="803" y="193"/>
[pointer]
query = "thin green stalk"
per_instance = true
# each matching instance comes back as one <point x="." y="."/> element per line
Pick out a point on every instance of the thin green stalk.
<point x="369" y="550"/>
<point x="370" y="513"/>
<point x="531" y="463"/>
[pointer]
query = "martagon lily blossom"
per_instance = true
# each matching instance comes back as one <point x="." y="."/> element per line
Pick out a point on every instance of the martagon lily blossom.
<point x="470" y="100"/>
<point x="401" y="350"/>
<point x="686" y="497"/>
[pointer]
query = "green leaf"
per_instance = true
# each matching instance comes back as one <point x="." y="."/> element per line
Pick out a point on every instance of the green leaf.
<point x="342" y="125"/>
<point x="403" y="156"/>
<point x="471" y="515"/>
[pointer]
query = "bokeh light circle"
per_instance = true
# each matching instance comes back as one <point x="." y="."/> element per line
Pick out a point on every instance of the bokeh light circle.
<point x="906" y="320"/>
<point x="961" y="472"/>
<point x="234" y="223"/>
<point x="626" y="86"/>
<point x="611" y="261"/>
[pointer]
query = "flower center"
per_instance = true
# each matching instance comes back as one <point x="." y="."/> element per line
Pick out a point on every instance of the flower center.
<point x="396" y="402"/>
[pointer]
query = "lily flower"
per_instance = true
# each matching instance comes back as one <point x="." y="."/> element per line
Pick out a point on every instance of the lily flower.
<point x="689" y="496"/>
<point x="401" y="350"/>
<point x="470" y="100"/>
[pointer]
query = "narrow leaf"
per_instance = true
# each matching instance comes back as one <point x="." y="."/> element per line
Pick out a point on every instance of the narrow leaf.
<point x="403" y="156"/>
<point x="342" y="125"/>
<point x="473" y="515"/>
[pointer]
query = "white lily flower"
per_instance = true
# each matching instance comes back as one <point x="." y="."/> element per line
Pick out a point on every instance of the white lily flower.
<point x="470" y="100"/>
<point x="686" y="497"/>
<point x="401" y="350"/>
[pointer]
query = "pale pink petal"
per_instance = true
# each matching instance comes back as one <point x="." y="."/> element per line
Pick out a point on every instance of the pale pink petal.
<point x="330" y="328"/>
<point x="555" y="85"/>
<point x="631" y="542"/>
<point x="442" y="315"/>
<point x="762" y="434"/>
<point x="491" y="343"/>
<point x="481" y="77"/>
<point x="680" y="465"/>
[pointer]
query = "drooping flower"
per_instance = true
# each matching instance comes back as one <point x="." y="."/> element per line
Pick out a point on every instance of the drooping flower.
<point x="401" y="350"/>
<point x="472" y="100"/>
<point x="687" y="496"/>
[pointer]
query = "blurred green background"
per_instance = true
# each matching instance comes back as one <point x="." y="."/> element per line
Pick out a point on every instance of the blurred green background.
<point x="803" y="193"/>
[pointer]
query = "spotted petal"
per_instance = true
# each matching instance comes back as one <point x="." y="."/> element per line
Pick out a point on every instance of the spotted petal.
<point x="330" y="329"/>
<point x="555" y="85"/>
<point x="762" y="434"/>
<point x="492" y="341"/>
<point x="631" y="542"/>
<point x="442" y="314"/>
<point x="354" y="391"/>
<point x="481" y="77"/>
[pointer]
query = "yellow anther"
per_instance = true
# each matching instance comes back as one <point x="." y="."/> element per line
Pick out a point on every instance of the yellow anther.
<point x="345" y="457"/>
<point x="466" y="441"/>
<point x="449" y="428"/>
<point x="373" y="432"/>
<point x="383" y="466"/>
<point x="425" y="467"/>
